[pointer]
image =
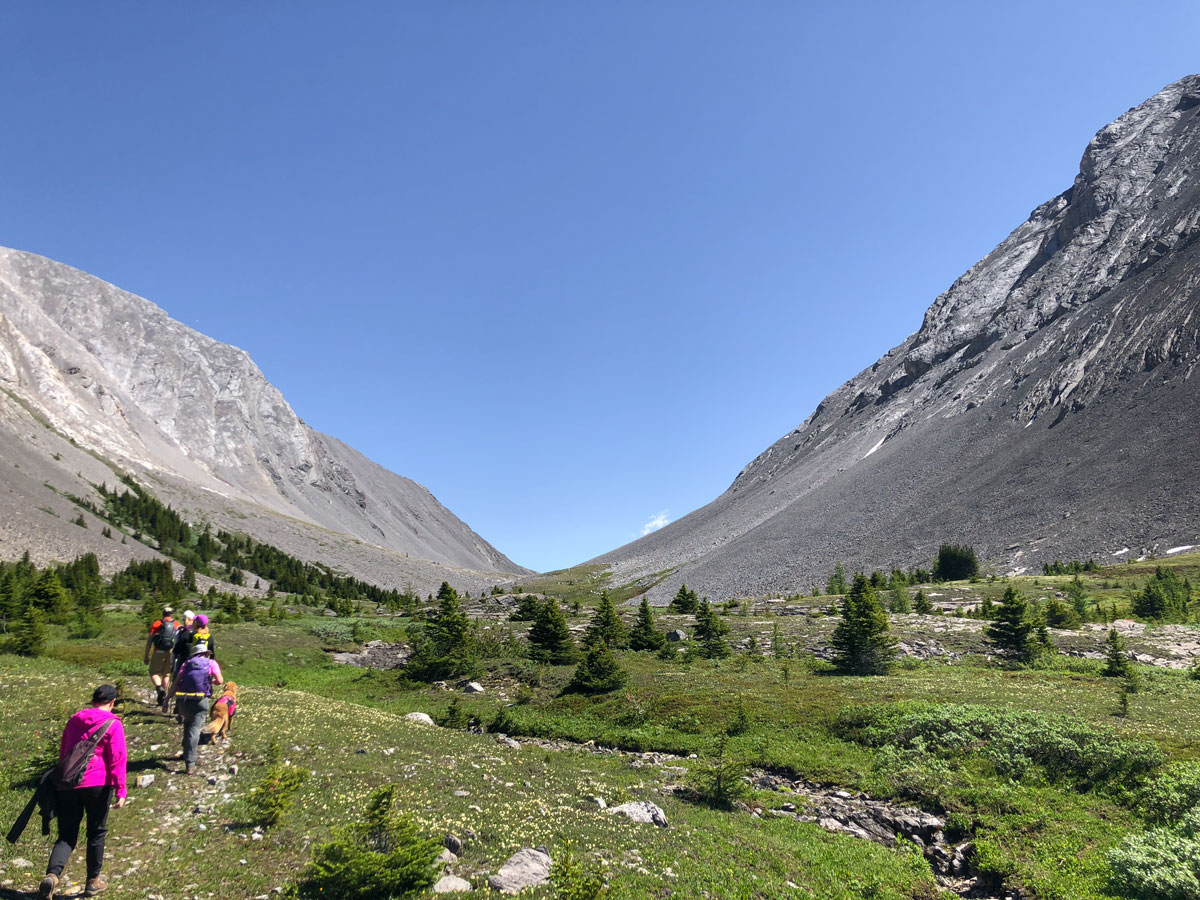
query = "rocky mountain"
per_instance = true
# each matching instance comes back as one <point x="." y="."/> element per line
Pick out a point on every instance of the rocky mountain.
<point x="1046" y="408"/>
<point x="94" y="379"/>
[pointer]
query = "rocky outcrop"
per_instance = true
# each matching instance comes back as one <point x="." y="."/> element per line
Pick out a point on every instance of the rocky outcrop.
<point x="85" y="366"/>
<point x="1044" y="409"/>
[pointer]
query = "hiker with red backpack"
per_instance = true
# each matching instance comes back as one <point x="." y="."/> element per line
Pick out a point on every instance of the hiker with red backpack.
<point x="91" y="769"/>
<point x="159" y="654"/>
<point x="193" y="696"/>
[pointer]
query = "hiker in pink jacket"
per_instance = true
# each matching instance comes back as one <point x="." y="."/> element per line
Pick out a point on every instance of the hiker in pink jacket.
<point x="105" y="776"/>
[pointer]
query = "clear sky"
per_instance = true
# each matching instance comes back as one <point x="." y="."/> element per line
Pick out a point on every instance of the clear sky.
<point x="569" y="265"/>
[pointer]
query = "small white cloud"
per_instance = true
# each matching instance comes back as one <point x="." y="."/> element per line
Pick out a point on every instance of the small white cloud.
<point x="656" y="522"/>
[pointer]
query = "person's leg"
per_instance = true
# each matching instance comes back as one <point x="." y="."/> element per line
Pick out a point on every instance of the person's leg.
<point x="194" y="714"/>
<point x="97" y="802"/>
<point x="70" y="814"/>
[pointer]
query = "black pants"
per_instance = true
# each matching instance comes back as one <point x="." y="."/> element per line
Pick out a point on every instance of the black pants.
<point x="72" y="805"/>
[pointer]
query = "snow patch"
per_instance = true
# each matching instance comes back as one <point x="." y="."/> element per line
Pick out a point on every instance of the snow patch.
<point x="1181" y="549"/>
<point x="876" y="447"/>
<point x="1121" y="552"/>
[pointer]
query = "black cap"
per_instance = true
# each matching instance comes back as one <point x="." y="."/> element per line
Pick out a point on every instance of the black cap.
<point x="106" y="693"/>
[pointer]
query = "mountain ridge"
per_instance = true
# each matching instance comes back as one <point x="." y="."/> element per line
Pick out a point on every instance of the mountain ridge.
<point x="1097" y="288"/>
<point x="118" y="377"/>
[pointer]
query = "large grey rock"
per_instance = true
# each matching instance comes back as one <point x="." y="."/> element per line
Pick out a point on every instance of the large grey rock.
<point x="641" y="811"/>
<point x="451" y="884"/>
<point x="1045" y="409"/>
<point x="528" y="867"/>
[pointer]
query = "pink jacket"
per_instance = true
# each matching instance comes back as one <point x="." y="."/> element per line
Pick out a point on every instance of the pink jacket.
<point x="107" y="766"/>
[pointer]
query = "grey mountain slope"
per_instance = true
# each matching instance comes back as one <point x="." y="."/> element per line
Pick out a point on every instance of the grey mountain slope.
<point x="1047" y="407"/>
<point x="116" y="375"/>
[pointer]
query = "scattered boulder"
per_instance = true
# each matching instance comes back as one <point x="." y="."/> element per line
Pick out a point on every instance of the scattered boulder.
<point x="642" y="811"/>
<point x="420" y="718"/>
<point x="451" y="884"/>
<point x="377" y="655"/>
<point x="446" y="858"/>
<point x="453" y="843"/>
<point x="676" y="635"/>
<point x="528" y="867"/>
<point x="144" y="781"/>
<point x="473" y="687"/>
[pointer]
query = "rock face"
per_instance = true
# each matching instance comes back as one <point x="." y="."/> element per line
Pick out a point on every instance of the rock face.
<point x="85" y="366"/>
<point x="1045" y="409"/>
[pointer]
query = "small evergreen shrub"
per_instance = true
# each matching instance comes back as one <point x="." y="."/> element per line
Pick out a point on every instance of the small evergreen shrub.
<point x="382" y="858"/>
<point x="573" y="880"/>
<point x="272" y="798"/>
<point x="599" y="673"/>
<point x="718" y="780"/>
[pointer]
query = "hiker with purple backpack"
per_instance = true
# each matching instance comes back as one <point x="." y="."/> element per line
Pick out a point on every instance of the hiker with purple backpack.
<point x="91" y="769"/>
<point x="193" y="696"/>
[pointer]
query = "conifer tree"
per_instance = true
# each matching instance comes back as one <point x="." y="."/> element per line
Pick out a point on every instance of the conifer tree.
<point x="599" y="672"/>
<point x="51" y="597"/>
<point x="685" y="600"/>
<point x="710" y="632"/>
<point x="921" y="604"/>
<point x="1117" y="664"/>
<point x="861" y="642"/>
<point x="606" y="626"/>
<point x="837" y="581"/>
<point x="29" y="635"/>
<point x="644" y="635"/>
<point x="550" y="639"/>
<point x="527" y="609"/>
<point x="900" y="603"/>
<point x="447" y="646"/>
<point x="1011" y="633"/>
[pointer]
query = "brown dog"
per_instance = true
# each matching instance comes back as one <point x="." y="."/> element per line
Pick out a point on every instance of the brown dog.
<point x="220" y="717"/>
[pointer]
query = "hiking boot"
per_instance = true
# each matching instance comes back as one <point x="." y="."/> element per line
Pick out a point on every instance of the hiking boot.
<point x="47" y="887"/>
<point x="95" y="886"/>
<point x="160" y="697"/>
<point x="190" y="770"/>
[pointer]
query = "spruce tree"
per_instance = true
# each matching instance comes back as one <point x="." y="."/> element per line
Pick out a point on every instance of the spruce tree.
<point x="710" y="632"/>
<point x="861" y="642"/>
<point x="526" y="610"/>
<point x="29" y="635"/>
<point x="921" y="604"/>
<point x="550" y="639"/>
<point x="606" y="626"/>
<point x="837" y="581"/>
<point x="685" y="600"/>
<point x="1011" y="633"/>
<point x="644" y="635"/>
<point x="1117" y="665"/>
<point x="900" y="603"/>
<point x="599" y="673"/>
<point x="447" y="646"/>
<point x="51" y="597"/>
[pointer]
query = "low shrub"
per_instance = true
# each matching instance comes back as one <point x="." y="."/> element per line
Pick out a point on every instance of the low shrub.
<point x="1067" y="750"/>
<point x="1171" y="794"/>
<point x="573" y="880"/>
<point x="1161" y="864"/>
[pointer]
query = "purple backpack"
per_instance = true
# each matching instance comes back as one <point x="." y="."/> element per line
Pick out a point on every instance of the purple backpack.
<point x="195" y="678"/>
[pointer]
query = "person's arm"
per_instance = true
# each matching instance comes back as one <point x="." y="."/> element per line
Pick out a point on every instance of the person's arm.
<point x="149" y="642"/>
<point x="215" y="670"/>
<point x="115" y="758"/>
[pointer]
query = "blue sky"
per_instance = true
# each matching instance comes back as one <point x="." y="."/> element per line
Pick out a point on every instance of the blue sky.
<point x="569" y="265"/>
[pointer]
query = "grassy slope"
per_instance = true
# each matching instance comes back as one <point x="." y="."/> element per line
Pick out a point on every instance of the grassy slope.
<point x="1045" y="838"/>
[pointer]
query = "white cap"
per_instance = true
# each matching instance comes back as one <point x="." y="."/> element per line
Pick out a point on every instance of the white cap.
<point x="189" y="614"/>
